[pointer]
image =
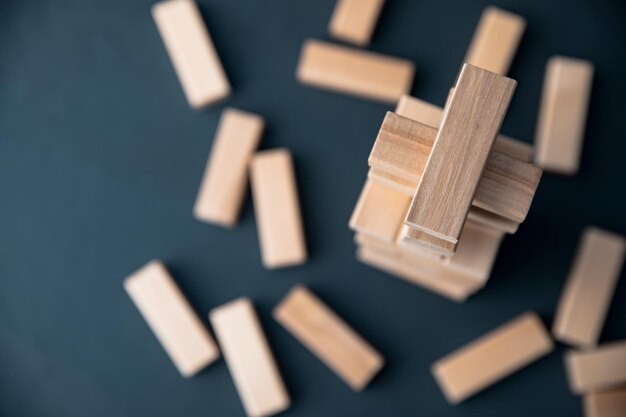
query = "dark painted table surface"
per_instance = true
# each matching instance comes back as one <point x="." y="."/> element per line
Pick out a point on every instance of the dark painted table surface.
<point x="101" y="158"/>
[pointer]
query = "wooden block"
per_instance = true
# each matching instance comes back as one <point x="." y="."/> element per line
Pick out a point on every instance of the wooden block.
<point x="391" y="181"/>
<point x="492" y="357"/>
<point x="411" y="237"/>
<point x="563" y="114"/>
<point x="277" y="209"/>
<point x="192" y="52"/>
<point x="354" y="20"/>
<point x="356" y="72"/>
<point x="515" y="148"/>
<point x="587" y="294"/>
<point x="225" y="178"/>
<point x="606" y="404"/>
<point x="249" y="358"/>
<point x="171" y="318"/>
<point x="496" y="40"/>
<point x="597" y="370"/>
<point x="331" y="339"/>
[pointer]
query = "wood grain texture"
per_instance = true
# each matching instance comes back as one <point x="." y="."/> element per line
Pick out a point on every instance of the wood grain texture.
<point x="355" y="20"/>
<point x="597" y="370"/>
<point x="588" y="291"/>
<point x="351" y="71"/>
<point x="249" y="358"/>
<point x="277" y="209"/>
<point x="171" y="318"/>
<point x="225" y="179"/>
<point x="330" y="338"/>
<point x="492" y="357"/>
<point x="192" y="52"/>
<point x="605" y="404"/>
<point x="563" y="114"/>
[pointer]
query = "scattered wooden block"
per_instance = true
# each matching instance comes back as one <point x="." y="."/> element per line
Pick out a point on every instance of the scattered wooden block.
<point x="587" y="294"/>
<point x="597" y="370"/>
<point x="492" y="357"/>
<point x="331" y="339"/>
<point x="225" y="178"/>
<point x="496" y="40"/>
<point x="171" y="318"/>
<point x="192" y="52"/>
<point x="351" y="71"/>
<point x="563" y="114"/>
<point x="249" y="358"/>
<point x="605" y="404"/>
<point x="277" y="210"/>
<point x="354" y="20"/>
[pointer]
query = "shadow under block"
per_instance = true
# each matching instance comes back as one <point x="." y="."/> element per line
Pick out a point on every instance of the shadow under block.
<point x="277" y="209"/>
<point x="331" y="339"/>
<point x="171" y="318"/>
<point x="605" y="404"/>
<point x="597" y="370"/>
<point x="355" y="20"/>
<point x="249" y="358"/>
<point x="563" y="114"/>
<point x="191" y="51"/>
<point x="225" y="179"/>
<point x="353" y="71"/>
<point x="587" y="294"/>
<point x="492" y="357"/>
<point x="496" y="40"/>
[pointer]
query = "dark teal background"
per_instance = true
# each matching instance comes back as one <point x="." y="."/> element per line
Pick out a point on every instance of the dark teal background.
<point x="101" y="158"/>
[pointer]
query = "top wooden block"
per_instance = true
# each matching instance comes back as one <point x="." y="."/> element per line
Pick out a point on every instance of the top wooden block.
<point x="354" y="20"/>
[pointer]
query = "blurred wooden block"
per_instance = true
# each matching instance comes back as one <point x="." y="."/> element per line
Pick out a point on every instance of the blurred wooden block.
<point x="249" y="358"/>
<point x="225" y="178"/>
<point x="597" y="370"/>
<point x="605" y="404"/>
<point x="356" y="72"/>
<point x="563" y="114"/>
<point x="496" y="40"/>
<point x="277" y="210"/>
<point x="391" y="181"/>
<point x="492" y="220"/>
<point x="192" y="52"/>
<point x="331" y="339"/>
<point x="492" y="357"/>
<point x="354" y="20"/>
<point x="171" y="318"/>
<point x="587" y="294"/>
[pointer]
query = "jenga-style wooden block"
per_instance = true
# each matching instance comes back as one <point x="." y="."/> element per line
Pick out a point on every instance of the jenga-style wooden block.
<point x="249" y="358"/>
<point x="356" y="72"/>
<point x="171" y="318"/>
<point x="331" y="339"/>
<point x="277" y="209"/>
<point x="225" y="178"/>
<point x="563" y="114"/>
<point x="587" y="294"/>
<point x="514" y="148"/>
<point x="354" y="20"/>
<point x="605" y="404"/>
<point x="492" y="357"/>
<point x="496" y="40"/>
<point x="597" y="370"/>
<point x="391" y="181"/>
<point x="492" y="220"/>
<point x="411" y="237"/>
<point x="192" y="52"/>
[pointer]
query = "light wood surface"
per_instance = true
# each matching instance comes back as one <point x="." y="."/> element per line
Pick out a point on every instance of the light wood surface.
<point x="192" y="52"/>
<point x="352" y="71"/>
<point x="605" y="404"/>
<point x="355" y="20"/>
<point x="392" y="181"/>
<point x="249" y="358"/>
<point x="515" y="148"/>
<point x="492" y="357"/>
<point x="225" y="179"/>
<point x="331" y="339"/>
<point x="597" y="370"/>
<point x="171" y="318"/>
<point x="277" y="209"/>
<point x="563" y="114"/>
<point x="492" y="220"/>
<point x="411" y="237"/>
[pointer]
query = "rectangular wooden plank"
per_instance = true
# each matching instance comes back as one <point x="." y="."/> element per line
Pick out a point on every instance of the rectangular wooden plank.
<point x="351" y="71"/>
<point x="492" y="357"/>
<point x="605" y="404"/>
<point x="171" y="318"/>
<point x="597" y="370"/>
<point x="563" y="114"/>
<point x="354" y="20"/>
<point x="588" y="291"/>
<point x="191" y="50"/>
<point x="249" y="358"/>
<point x="277" y="209"/>
<point x="225" y="179"/>
<point x="330" y="338"/>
